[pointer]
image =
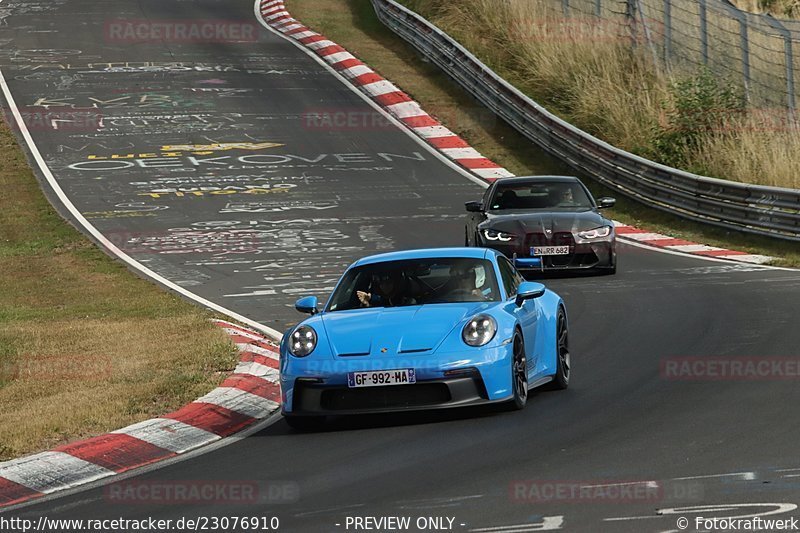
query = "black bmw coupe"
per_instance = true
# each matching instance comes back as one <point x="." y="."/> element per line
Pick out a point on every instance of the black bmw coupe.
<point x="544" y="223"/>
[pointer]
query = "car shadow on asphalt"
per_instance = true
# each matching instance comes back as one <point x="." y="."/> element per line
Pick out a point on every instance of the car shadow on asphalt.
<point x="411" y="418"/>
<point x="562" y="274"/>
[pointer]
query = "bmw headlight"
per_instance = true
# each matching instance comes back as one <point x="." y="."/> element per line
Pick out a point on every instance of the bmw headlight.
<point x="302" y="341"/>
<point x="494" y="235"/>
<point x="479" y="330"/>
<point x="596" y="233"/>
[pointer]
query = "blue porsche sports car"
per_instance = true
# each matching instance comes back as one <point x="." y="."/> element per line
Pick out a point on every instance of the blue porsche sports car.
<point x="423" y="329"/>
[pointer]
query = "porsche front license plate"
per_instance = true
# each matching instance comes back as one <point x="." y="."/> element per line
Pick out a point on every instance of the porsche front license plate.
<point x="549" y="250"/>
<point x="381" y="377"/>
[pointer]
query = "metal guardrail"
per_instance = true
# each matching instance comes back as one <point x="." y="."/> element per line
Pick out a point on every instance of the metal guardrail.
<point x="762" y="210"/>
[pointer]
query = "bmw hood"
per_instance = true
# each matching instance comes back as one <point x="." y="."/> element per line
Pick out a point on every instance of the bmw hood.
<point x="394" y="330"/>
<point x="527" y="221"/>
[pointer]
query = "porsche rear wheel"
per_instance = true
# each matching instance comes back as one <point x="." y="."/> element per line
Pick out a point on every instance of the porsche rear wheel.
<point x="563" y="361"/>
<point x="519" y="373"/>
<point x="304" y="423"/>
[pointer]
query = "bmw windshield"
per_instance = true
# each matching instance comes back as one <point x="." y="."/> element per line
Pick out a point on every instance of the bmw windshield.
<point x="540" y="195"/>
<point x="416" y="282"/>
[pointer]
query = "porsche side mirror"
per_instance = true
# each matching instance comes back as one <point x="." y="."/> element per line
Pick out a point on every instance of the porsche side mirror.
<point x="474" y="207"/>
<point x="606" y="201"/>
<point x="307" y="304"/>
<point x="528" y="290"/>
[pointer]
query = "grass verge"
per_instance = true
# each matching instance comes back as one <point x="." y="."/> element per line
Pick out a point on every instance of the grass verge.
<point x="86" y="347"/>
<point x="353" y="25"/>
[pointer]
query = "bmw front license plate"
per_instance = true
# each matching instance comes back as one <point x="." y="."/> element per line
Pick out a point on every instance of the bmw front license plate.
<point x="549" y="250"/>
<point x="379" y="378"/>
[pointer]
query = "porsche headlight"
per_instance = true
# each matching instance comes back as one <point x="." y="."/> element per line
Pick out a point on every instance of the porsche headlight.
<point x="494" y="235"/>
<point x="302" y="341"/>
<point x="479" y="330"/>
<point x="596" y="233"/>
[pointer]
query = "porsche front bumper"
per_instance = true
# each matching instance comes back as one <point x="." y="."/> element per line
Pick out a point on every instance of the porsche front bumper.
<point x="319" y="387"/>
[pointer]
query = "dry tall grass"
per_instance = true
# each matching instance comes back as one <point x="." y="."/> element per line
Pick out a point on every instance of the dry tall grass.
<point x="777" y="8"/>
<point x="587" y="72"/>
<point x="86" y="347"/>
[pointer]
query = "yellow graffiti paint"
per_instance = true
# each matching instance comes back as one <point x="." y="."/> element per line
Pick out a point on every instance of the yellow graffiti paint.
<point x="176" y="150"/>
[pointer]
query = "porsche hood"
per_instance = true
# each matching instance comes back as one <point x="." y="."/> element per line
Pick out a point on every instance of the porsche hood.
<point x="394" y="330"/>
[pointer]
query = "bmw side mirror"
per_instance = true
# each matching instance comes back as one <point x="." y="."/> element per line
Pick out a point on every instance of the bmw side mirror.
<point x="307" y="304"/>
<point x="474" y="207"/>
<point x="528" y="290"/>
<point x="606" y="201"/>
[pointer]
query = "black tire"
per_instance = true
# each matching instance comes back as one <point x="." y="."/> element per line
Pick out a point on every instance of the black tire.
<point x="612" y="268"/>
<point x="304" y="423"/>
<point x="466" y="237"/>
<point x="519" y="374"/>
<point x="563" y="359"/>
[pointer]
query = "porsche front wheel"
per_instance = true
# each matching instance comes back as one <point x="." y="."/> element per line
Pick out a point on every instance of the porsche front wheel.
<point x="519" y="373"/>
<point x="563" y="359"/>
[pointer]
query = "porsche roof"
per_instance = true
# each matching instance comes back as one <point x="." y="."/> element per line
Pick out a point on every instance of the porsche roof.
<point x="427" y="253"/>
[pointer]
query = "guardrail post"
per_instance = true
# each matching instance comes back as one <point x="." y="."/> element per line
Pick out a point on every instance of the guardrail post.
<point x="744" y="44"/>
<point x="703" y="30"/>
<point x="598" y="8"/>
<point x="630" y="16"/>
<point x="735" y="206"/>
<point x="565" y="7"/>
<point x="788" y="58"/>
<point x="667" y="31"/>
<point x="648" y="38"/>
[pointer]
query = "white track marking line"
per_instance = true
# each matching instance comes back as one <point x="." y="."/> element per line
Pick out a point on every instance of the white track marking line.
<point x="50" y="471"/>
<point x="621" y="518"/>
<point x="433" y="132"/>
<point x="102" y="239"/>
<point x="623" y="239"/>
<point x="463" y="153"/>
<point x="648" y="484"/>
<point x="374" y="105"/>
<point x="264" y="372"/>
<point x="172" y="435"/>
<point x="240" y="401"/>
<point x="378" y="88"/>
<point x="548" y="523"/>
<point x="747" y="476"/>
<point x="356" y="71"/>
<point x="272" y="354"/>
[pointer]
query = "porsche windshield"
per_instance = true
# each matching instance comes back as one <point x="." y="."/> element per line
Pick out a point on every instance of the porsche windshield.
<point x="416" y="282"/>
<point x="540" y="195"/>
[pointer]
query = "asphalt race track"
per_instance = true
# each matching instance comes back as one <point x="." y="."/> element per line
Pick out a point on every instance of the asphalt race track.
<point x="211" y="169"/>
